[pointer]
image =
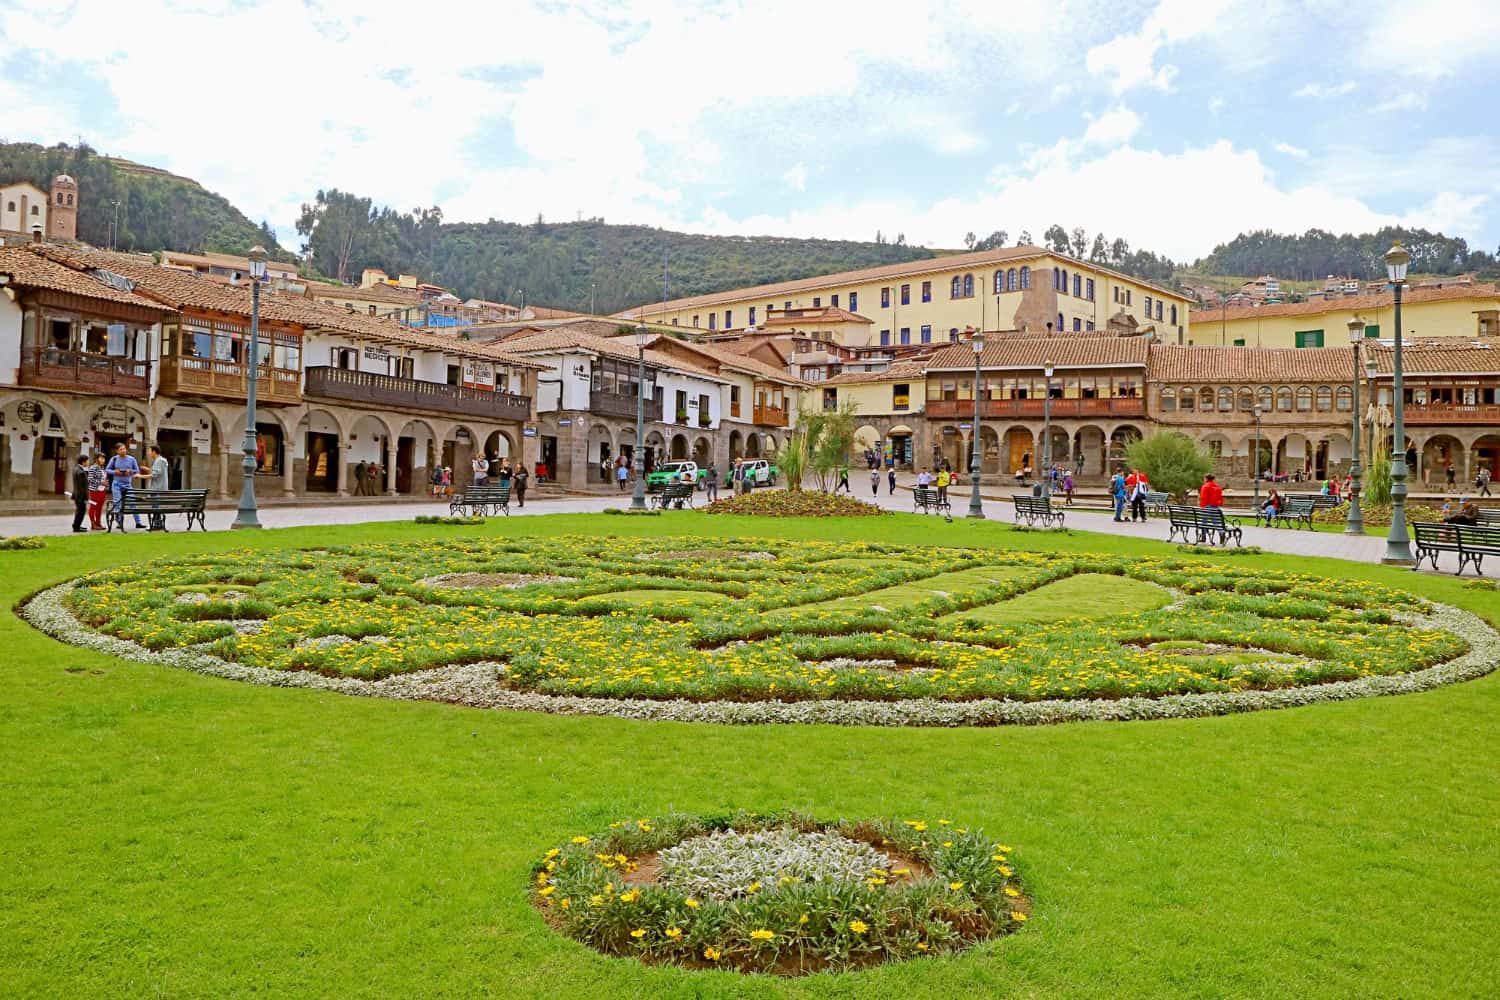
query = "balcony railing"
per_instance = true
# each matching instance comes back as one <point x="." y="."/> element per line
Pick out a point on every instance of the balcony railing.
<point x="221" y="379"/>
<point x="769" y="416"/>
<point x="618" y="404"/>
<point x="960" y="409"/>
<point x="46" y="367"/>
<point x="1452" y="413"/>
<point x="410" y="393"/>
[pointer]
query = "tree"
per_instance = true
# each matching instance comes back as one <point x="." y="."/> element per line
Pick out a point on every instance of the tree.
<point x="1171" y="460"/>
<point x="336" y="227"/>
<point x="1056" y="238"/>
<point x="791" y="461"/>
<point x="1024" y="239"/>
<point x="994" y="241"/>
<point x="1080" y="242"/>
<point x="833" y="445"/>
<point x="970" y="239"/>
<point x="1099" y="253"/>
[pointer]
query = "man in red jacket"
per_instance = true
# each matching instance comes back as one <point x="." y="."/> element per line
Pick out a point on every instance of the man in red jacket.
<point x="1210" y="494"/>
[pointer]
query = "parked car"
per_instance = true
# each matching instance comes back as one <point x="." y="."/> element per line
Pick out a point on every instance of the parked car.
<point x="672" y="473"/>
<point x="763" y="471"/>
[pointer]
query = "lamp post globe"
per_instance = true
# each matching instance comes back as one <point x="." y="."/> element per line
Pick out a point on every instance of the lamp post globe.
<point x="1355" y="523"/>
<point x="247" y="515"/>
<point x="976" y="506"/>
<point x="1398" y="544"/>
<point x="638" y="498"/>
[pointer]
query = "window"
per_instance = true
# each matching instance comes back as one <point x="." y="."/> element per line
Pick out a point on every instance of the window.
<point x="1168" y="399"/>
<point x="953" y="291"/>
<point x="968" y="286"/>
<point x="926" y="334"/>
<point x="953" y="335"/>
<point x="1158" y="309"/>
<point x="1226" y="399"/>
<point x="1247" y="399"/>
<point x="1025" y="277"/>
<point x="36" y="210"/>
<point x="1117" y="293"/>
<point x="787" y="305"/>
<point x="1325" y="398"/>
<point x="695" y="322"/>
<point x="926" y="291"/>
<point x="901" y="396"/>
<point x="1239" y="341"/>
<point x="1089" y="289"/>
<point x="999" y="282"/>
<point x="854" y="302"/>
<point x="1077" y="286"/>
<point x="728" y="319"/>
<point x="1372" y="331"/>
<point x="1077" y="324"/>
<point x="1284" y="399"/>
<point x="1345" y="398"/>
<point x="1187" y="398"/>
<point x="906" y="335"/>
<point x="1174" y="313"/>
<point x="817" y="302"/>
<point x="1205" y="399"/>
<point x="885" y="298"/>
<point x="1128" y="297"/>
<point x="1010" y="280"/>
<point x="885" y="338"/>
<point x="1059" y="325"/>
<point x="752" y="315"/>
<point x="10" y="206"/>
<point x="831" y="398"/>
<point x="834" y="300"/>
<point x="1089" y="325"/>
<point x="713" y="321"/>
<point x="1148" y="307"/>
<point x="734" y="401"/>
<point x="1304" y="398"/>
<point x="906" y="295"/>
<point x="1309" y="338"/>
<point x="1056" y="279"/>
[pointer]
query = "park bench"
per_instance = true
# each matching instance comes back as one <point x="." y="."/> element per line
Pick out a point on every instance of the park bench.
<point x="157" y="504"/>
<point x="1157" y="502"/>
<point x="928" y="501"/>
<point x="1489" y="516"/>
<point x="1294" y="511"/>
<point x="482" y="499"/>
<point x="678" y="493"/>
<point x="1035" y="509"/>
<point x="1471" y="542"/>
<point x="1319" y="501"/>
<point x="1207" y="525"/>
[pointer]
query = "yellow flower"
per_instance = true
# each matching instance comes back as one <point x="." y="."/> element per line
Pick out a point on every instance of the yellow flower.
<point x="690" y="903"/>
<point x="621" y="858"/>
<point x="921" y="945"/>
<point x="546" y="890"/>
<point x="565" y="902"/>
<point x="712" y="954"/>
<point x="675" y="933"/>
<point x="638" y="933"/>
<point x="873" y="882"/>
<point x="1012" y="893"/>
<point x="858" y="926"/>
<point x="596" y="900"/>
<point x="1005" y="871"/>
<point x="1002" y="848"/>
<point x="955" y="886"/>
<point x="761" y="934"/>
<point x="753" y="887"/>
<point x="580" y="840"/>
<point x="631" y="896"/>
<point x="900" y="871"/>
<point x="945" y="822"/>
<point x="802" y="919"/>
<point x="541" y="878"/>
<point x="1018" y="916"/>
<point x="644" y="825"/>
<point x="947" y="843"/>
<point x="552" y="854"/>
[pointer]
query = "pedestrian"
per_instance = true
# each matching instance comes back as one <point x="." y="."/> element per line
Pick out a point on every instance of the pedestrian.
<point x="437" y="482"/>
<point x="372" y="479"/>
<point x="711" y="483"/>
<point x="604" y="470"/>
<point x="924" y="479"/>
<point x="874" y="482"/>
<point x="843" y="481"/>
<point x="1117" y="493"/>
<point x="944" y="480"/>
<point x="1137" y="494"/>
<point x="157" y="476"/>
<point x="122" y="469"/>
<point x="1078" y="464"/>
<point x="98" y="492"/>
<point x="1211" y="494"/>
<point x="1484" y="482"/>
<point x="481" y="469"/>
<point x="518" y="481"/>
<point x="1067" y="485"/>
<point x="359" y="478"/>
<point x="622" y="474"/>
<point x="505" y="473"/>
<point x="80" y="492"/>
<point x="1451" y="473"/>
<point x="891" y="477"/>
<point x="447" y="480"/>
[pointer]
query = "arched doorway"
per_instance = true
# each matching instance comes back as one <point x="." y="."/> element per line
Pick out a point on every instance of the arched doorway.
<point x="367" y="456"/>
<point x="702" y="452"/>
<point x="1221" y="450"/>
<point x="1294" y="458"/>
<point x="989" y="450"/>
<point x="752" y="445"/>
<point x="736" y="446"/>
<point x="459" y="447"/>
<point x="1121" y="439"/>
<point x="898" y="446"/>
<point x="656" y="449"/>
<point x="1486" y="456"/>
<point x="1018" y="454"/>
<point x="1437" y="452"/>
<point x="34" y="452"/>
<point x="679" y="452"/>
<point x="867" y="443"/>
<point x="189" y="437"/>
<point x="601" y="454"/>
<point x="416" y="455"/>
<point x="1089" y="454"/>
<point x="319" y="445"/>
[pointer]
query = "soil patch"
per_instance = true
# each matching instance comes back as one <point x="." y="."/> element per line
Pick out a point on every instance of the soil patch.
<point x="706" y="554"/>
<point x="482" y="581"/>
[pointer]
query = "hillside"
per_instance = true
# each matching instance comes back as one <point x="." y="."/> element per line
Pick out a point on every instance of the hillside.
<point x="157" y="210"/>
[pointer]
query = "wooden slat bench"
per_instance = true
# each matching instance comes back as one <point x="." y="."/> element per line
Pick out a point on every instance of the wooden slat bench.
<point x="929" y="501"/>
<point x="1035" y="509"/>
<point x="482" y="499"/>
<point x="1157" y="502"/>
<point x="157" y="504"/>
<point x="1471" y="542"/>
<point x="1295" y="511"/>
<point x="673" y="493"/>
<point x="1207" y="525"/>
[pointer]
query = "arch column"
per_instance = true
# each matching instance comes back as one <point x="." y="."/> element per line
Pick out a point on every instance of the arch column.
<point x="390" y="465"/>
<point x="223" y="471"/>
<point x="342" y="472"/>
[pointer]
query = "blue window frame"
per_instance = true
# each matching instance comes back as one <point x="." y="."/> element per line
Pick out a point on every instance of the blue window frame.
<point x="999" y="282"/>
<point x="835" y="300"/>
<point x="728" y="319"/>
<point x="906" y="295"/>
<point x="953" y="289"/>
<point x="953" y="335"/>
<point x="1059" y="326"/>
<point x="926" y="291"/>
<point x="1174" y="314"/>
<point x="752" y="315"/>
<point x="926" y="334"/>
<point x="906" y="335"/>
<point x="1077" y="286"/>
<point x="713" y="321"/>
<point x="1089" y="289"/>
<point x="853" y="301"/>
<point x="1010" y="280"/>
<point x="885" y="298"/>
<point x="1148" y="307"/>
<point x="968" y="286"/>
<point x="1077" y="324"/>
<point x="1025" y="277"/>
<point x="817" y="302"/>
<point x="885" y="338"/>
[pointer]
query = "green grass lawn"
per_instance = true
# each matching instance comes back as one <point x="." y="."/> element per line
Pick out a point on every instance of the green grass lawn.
<point x="169" y="834"/>
<point x="1087" y="595"/>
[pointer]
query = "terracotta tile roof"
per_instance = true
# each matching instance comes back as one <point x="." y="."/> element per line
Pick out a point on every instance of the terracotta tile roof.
<point x="1034" y="352"/>
<point x="1347" y="303"/>
<point x="552" y="341"/>
<point x="740" y="363"/>
<point x="1170" y="363"/>
<point x="805" y="317"/>
<point x="544" y="312"/>
<point x="375" y="293"/>
<point x="1448" y="355"/>
<point x="29" y="269"/>
<point x="899" y="372"/>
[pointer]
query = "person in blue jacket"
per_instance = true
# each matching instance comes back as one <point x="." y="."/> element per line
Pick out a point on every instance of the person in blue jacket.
<point x="1117" y="492"/>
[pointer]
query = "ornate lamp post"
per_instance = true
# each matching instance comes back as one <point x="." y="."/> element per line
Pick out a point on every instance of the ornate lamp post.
<point x="638" y="500"/>
<point x="1398" y="545"/>
<point x="1047" y="431"/>
<point x="246" y="517"/>
<point x="1355" y="524"/>
<point x="976" y="506"/>
<point x="1255" y="459"/>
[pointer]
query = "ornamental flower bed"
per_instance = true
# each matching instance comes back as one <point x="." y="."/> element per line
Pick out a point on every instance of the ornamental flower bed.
<point x="764" y="630"/>
<point x="782" y="893"/>
<point x="794" y="503"/>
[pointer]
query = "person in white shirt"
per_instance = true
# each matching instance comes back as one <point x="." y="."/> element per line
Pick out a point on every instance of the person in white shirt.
<point x="481" y="466"/>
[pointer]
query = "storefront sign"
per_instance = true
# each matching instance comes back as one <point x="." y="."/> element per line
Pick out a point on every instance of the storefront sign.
<point x="479" y="374"/>
<point x="377" y="354"/>
<point x="565" y="422"/>
<point x="528" y="432"/>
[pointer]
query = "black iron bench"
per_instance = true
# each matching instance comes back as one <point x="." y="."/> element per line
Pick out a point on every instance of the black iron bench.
<point x="157" y="504"/>
<point x="482" y="500"/>
<point x="928" y="501"/>
<point x="1295" y="511"/>
<point x="678" y="493"/>
<point x="1207" y="525"/>
<point x="1471" y="542"/>
<point x="1035" y="509"/>
<point x="1157" y="502"/>
<point x="1489" y="517"/>
<point x="1319" y="501"/>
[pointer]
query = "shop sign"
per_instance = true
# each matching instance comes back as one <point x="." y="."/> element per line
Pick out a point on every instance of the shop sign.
<point x="377" y="354"/>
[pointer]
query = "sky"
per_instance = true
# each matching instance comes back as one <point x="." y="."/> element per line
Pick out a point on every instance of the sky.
<point x="1173" y="123"/>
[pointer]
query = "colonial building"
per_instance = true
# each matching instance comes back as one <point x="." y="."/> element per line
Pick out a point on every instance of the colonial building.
<point x="29" y="213"/>
<point x="930" y="301"/>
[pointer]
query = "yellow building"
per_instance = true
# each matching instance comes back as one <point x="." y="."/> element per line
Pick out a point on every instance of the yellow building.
<point x="1462" y="310"/>
<point x="931" y="301"/>
<point x="887" y="410"/>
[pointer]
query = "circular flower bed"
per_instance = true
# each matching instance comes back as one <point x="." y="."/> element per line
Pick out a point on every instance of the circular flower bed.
<point x="782" y="893"/>
<point x="794" y="503"/>
<point x="819" y="632"/>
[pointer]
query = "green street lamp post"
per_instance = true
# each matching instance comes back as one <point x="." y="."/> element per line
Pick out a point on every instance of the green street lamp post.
<point x="247" y="517"/>
<point x="1255" y="460"/>
<point x="1047" y="432"/>
<point x="1355" y="525"/>
<point x="1397" y="545"/>
<point x="976" y="506"/>
<point x="638" y="500"/>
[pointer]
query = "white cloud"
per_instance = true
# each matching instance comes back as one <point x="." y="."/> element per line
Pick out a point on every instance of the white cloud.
<point x="1429" y="40"/>
<point x="1215" y="105"/>
<point x="1115" y="126"/>
<point x="1408" y="101"/>
<point x="797" y="176"/>
<point x="1128" y="60"/>
<point x="1287" y="149"/>
<point x="1323" y="92"/>
<point x="1449" y="212"/>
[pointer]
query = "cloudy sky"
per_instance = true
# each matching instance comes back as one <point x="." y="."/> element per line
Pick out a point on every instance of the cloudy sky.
<point x="1175" y="123"/>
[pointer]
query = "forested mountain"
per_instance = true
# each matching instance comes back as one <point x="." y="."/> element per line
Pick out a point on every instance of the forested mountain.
<point x="1317" y="253"/>
<point x="157" y="210"/>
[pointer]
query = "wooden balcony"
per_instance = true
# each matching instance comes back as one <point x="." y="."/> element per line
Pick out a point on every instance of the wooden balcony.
<point x="1451" y="413"/>
<point x="211" y="378"/>
<point x="963" y="409"/>
<point x="78" y="371"/>
<point x="617" y="404"/>
<point x="368" y="388"/>
<point x="769" y="416"/>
